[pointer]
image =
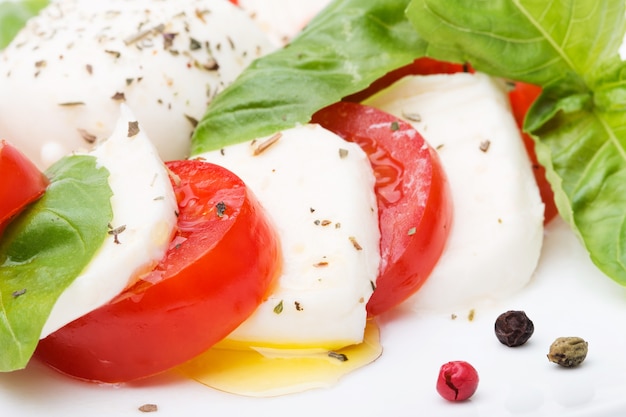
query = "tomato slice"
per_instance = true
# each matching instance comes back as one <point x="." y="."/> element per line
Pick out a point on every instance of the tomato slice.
<point x="414" y="201"/>
<point x="220" y="266"/>
<point x="21" y="182"/>
<point x="522" y="96"/>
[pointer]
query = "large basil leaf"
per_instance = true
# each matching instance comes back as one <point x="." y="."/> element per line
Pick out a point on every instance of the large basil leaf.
<point x="46" y="248"/>
<point x="346" y="47"/>
<point x="539" y="42"/>
<point x="570" y="48"/>
<point x="13" y="16"/>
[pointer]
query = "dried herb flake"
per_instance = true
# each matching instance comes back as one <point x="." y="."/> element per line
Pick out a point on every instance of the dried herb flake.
<point x="133" y="128"/>
<point x="263" y="146"/>
<point x="279" y="307"/>
<point x="115" y="232"/>
<point x="355" y="243"/>
<point x="221" y="209"/>
<point x="18" y="293"/>
<point x="339" y="356"/>
<point x="148" y="408"/>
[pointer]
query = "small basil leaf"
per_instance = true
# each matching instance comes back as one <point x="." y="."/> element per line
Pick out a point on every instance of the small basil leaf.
<point x="538" y="42"/>
<point x="44" y="249"/>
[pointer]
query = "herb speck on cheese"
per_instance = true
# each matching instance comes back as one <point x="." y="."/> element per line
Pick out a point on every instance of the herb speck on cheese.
<point x="148" y="408"/>
<point x="413" y="117"/>
<point x="192" y="120"/>
<point x="115" y="232"/>
<point x="263" y="146"/>
<point x="355" y="243"/>
<point x="87" y="137"/>
<point x="133" y="129"/>
<point x="279" y="307"/>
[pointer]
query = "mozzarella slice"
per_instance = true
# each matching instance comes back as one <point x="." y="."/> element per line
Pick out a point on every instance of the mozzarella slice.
<point x="497" y="233"/>
<point x="144" y="218"/>
<point x="63" y="77"/>
<point x="282" y="19"/>
<point x="319" y="192"/>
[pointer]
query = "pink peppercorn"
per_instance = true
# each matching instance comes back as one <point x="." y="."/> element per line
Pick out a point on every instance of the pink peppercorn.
<point x="457" y="381"/>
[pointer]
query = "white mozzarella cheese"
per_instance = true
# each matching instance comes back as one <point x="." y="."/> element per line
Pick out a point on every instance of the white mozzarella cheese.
<point x="64" y="75"/>
<point x="319" y="191"/>
<point x="497" y="233"/>
<point x="144" y="218"/>
<point x="282" y="19"/>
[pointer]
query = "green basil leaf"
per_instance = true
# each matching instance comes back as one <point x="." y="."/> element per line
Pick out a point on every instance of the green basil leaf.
<point x="346" y="47"/>
<point x="46" y="248"/>
<point x="13" y="16"/>
<point x="539" y="42"/>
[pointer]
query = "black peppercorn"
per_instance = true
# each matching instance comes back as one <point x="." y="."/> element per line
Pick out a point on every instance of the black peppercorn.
<point x="514" y="328"/>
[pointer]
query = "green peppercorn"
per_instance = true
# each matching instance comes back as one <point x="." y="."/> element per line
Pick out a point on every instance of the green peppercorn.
<point x="568" y="351"/>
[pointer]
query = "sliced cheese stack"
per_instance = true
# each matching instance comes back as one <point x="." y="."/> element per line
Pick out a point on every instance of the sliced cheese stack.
<point x="497" y="233"/>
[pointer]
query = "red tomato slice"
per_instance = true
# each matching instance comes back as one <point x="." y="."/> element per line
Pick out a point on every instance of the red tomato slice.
<point x="521" y="98"/>
<point x="414" y="202"/>
<point x="21" y="182"/>
<point x="220" y="266"/>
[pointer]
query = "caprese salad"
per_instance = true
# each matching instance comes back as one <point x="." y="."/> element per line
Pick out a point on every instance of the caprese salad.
<point x="291" y="218"/>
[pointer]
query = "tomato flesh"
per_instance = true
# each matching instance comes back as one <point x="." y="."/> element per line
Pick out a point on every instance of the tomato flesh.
<point x="21" y="182"/>
<point x="413" y="195"/>
<point x="220" y="266"/>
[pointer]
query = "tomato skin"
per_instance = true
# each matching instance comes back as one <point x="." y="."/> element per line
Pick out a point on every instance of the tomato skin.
<point x="216" y="272"/>
<point x="521" y="97"/>
<point x="21" y="182"/>
<point x="413" y="194"/>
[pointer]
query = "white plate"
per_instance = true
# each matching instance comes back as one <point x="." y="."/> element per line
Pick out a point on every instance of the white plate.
<point x="567" y="297"/>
